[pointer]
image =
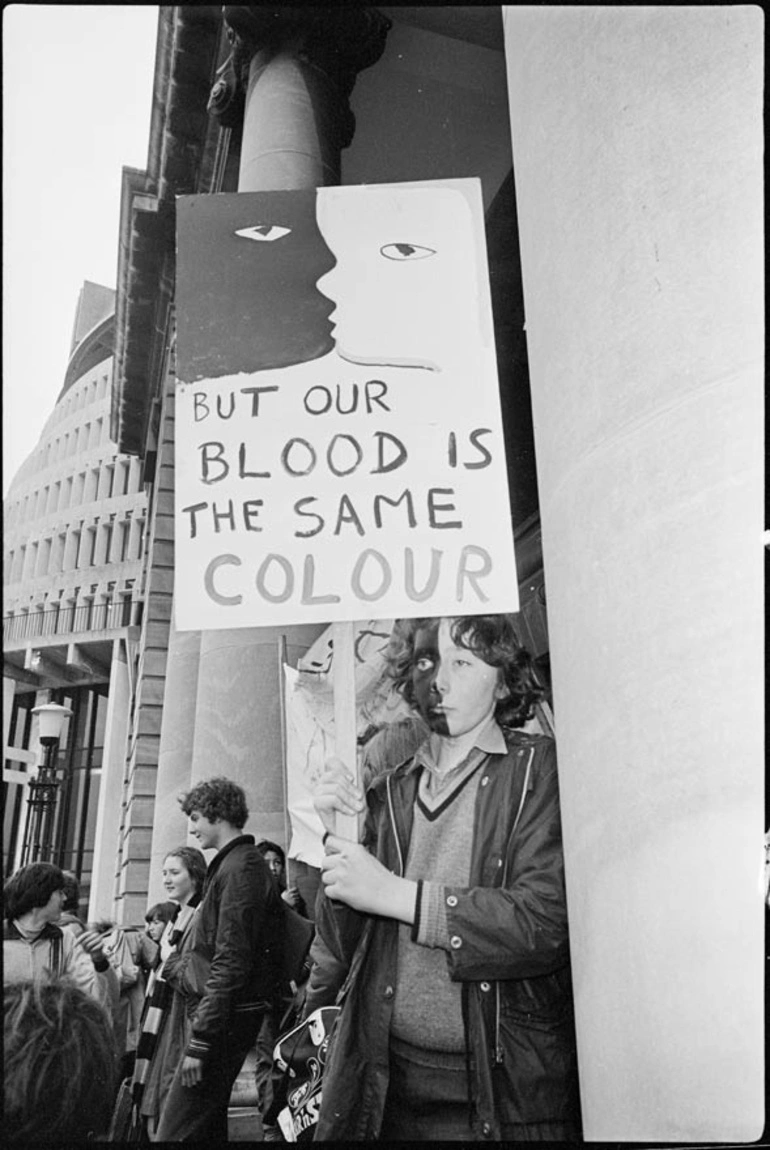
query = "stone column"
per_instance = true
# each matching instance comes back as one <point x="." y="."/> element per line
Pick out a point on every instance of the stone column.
<point x="9" y="690"/>
<point x="108" y="812"/>
<point x="637" y="144"/>
<point x="176" y="751"/>
<point x="297" y="68"/>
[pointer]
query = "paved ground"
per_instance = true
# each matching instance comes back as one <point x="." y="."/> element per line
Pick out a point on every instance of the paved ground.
<point x="243" y="1124"/>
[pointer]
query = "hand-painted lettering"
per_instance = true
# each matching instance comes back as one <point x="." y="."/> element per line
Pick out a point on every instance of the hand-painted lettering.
<point x="208" y="580"/>
<point x="435" y="507"/>
<point x="213" y="453"/>
<point x="465" y="571"/>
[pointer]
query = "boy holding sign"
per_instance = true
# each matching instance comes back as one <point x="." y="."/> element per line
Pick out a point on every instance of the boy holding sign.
<point x="449" y="919"/>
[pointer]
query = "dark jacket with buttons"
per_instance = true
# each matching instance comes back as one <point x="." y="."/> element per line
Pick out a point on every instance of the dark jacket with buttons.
<point x="232" y="962"/>
<point x="508" y="947"/>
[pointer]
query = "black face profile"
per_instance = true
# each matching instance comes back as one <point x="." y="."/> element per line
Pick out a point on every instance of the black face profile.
<point x="247" y="299"/>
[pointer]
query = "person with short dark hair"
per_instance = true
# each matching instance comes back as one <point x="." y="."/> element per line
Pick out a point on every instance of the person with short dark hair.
<point x="449" y="919"/>
<point x="35" y="946"/>
<point x="230" y="968"/>
<point x="216" y="800"/>
<point x="156" y="918"/>
<point x="59" y="1065"/>
<point x="275" y="858"/>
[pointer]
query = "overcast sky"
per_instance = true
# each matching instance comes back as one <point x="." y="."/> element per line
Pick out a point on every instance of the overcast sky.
<point x="77" y="87"/>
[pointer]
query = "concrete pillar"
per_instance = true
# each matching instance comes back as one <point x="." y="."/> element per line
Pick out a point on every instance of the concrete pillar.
<point x="284" y="146"/>
<point x="177" y="740"/>
<point x="9" y="690"/>
<point x="637" y="143"/>
<point x="108" y="812"/>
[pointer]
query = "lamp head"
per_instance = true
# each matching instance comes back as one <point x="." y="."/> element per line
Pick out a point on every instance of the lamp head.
<point x="51" y="717"/>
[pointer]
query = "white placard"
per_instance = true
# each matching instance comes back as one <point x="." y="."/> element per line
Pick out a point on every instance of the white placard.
<point x="360" y="466"/>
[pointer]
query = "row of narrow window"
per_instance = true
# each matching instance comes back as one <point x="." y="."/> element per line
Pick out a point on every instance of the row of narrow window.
<point x="75" y="614"/>
<point x="103" y="482"/>
<point x="79" y="396"/>
<point x="83" y="438"/>
<point x="80" y="547"/>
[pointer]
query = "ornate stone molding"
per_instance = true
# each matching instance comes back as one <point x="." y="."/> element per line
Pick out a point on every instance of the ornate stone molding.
<point x="337" y="42"/>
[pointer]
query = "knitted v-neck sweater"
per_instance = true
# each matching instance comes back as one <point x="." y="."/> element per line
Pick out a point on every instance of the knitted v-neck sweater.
<point x="427" y="1008"/>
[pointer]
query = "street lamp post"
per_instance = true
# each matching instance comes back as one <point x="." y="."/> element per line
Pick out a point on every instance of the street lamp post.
<point x="43" y="790"/>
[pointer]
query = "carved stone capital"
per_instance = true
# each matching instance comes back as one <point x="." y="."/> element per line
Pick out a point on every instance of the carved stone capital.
<point x="337" y="42"/>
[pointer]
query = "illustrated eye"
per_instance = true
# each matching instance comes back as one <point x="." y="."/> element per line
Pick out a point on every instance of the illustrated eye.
<point x="406" y="252"/>
<point x="265" y="233"/>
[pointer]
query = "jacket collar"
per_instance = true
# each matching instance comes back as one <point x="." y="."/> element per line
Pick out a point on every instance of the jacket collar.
<point x="10" y="930"/>
<point x="240" y="840"/>
<point x="489" y="741"/>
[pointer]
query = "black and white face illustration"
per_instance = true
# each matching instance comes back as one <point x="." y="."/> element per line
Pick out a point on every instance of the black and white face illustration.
<point x="405" y="278"/>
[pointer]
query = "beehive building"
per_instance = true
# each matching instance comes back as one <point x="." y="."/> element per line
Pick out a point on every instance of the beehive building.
<point x="72" y="609"/>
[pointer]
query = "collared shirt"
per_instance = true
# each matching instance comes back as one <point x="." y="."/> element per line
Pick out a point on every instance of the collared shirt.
<point x="489" y="741"/>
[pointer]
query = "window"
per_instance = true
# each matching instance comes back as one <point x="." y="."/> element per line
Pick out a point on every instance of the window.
<point x="108" y="530"/>
<point x="92" y="532"/>
<point x="125" y="532"/>
<point x="45" y="557"/>
<point x="61" y="544"/>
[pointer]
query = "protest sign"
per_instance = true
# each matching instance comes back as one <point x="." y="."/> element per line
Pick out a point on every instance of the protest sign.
<point x="311" y="727"/>
<point x="339" y="443"/>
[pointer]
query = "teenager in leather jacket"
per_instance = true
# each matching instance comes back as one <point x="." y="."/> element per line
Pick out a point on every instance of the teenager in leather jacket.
<point x="498" y="939"/>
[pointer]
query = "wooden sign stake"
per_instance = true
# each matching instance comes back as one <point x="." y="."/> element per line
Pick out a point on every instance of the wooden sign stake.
<point x="343" y="670"/>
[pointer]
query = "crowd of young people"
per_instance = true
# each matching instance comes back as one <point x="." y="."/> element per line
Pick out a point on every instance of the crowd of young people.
<point x="441" y="930"/>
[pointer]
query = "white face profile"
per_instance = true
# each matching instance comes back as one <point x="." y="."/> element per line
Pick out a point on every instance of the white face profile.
<point x="406" y="278"/>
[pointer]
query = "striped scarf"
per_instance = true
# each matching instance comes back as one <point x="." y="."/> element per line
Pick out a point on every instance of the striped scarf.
<point x="156" y="1003"/>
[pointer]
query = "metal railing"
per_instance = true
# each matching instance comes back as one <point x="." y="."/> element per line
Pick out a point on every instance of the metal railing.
<point x="66" y="620"/>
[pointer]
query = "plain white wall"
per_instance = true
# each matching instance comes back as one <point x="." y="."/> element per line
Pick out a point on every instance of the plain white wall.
<point x="637" y="141"/>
